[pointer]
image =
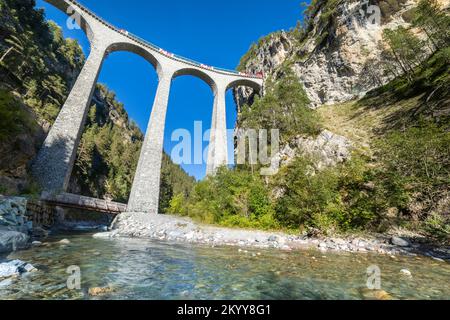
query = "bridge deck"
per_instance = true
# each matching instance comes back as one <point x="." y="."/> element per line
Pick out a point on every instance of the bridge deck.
<point x="81" y="202"/>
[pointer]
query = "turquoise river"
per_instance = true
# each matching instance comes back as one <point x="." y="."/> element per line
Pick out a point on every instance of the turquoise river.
<point x="144" y="269"/>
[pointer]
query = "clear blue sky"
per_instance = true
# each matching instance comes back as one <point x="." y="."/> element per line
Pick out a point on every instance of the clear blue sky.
<point x="216" y="33"/>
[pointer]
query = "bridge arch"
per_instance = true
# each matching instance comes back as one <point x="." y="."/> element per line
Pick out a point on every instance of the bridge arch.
<point x="198" y="74"/>
<point x="244" y="83"/>
<point x="138" y="50"/>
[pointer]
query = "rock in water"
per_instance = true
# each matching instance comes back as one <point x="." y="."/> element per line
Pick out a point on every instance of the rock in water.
<point x="36" y="243"/>
<point x="382" y="295"/>
<point x="12" y="240"/>
<point x="9" y="269"/>
<point x="397" y="241"/>
<point x="376" y="295"/>
<point x="406" y="272"/>
<point x="65" y="242"/>
<point x="95" y="292"/>
<point x="14" y="268"/>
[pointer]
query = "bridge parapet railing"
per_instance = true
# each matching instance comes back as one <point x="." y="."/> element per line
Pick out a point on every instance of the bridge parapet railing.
<point x="158" y="49"/>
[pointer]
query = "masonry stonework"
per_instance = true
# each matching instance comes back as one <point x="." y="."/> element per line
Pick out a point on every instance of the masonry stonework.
<point x="145" y="191"/>
<point x="218" y="146"/>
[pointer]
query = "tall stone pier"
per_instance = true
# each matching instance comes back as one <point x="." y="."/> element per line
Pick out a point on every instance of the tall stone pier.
<point x="53" y="165"/>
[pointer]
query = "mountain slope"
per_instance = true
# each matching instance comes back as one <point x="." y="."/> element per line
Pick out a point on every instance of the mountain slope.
<point x="337" y="53"/>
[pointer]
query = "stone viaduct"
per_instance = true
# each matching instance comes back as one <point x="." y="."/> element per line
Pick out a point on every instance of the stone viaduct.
<point x="53" y="166"/>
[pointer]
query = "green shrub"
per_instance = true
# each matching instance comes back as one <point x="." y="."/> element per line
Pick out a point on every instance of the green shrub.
<point x="32" y="190"/>
<point x="177" y="203"/>
<point x="285" y="106"/>
<point x="232" y="198"/>
<point x="411" y="166"/>
<point x="332" y="199"/>
<point x="438" y="227"/>
<point x="416" y="164"/>
<point x="308" y="198"/>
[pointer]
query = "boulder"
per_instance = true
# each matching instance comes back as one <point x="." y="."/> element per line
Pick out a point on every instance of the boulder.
<point x="376" y="295"/>
<point x="95" y="292"/>
<point x="64" y="241"/>
<point x="15" y="205"/>
<point x="400" y="242"/>
<point x="40" y="233"/>
<point x="12" y="240"/>
<point x="406" y="272"/>
<point x="13" y="214"/>
<point x="327" y="148"/>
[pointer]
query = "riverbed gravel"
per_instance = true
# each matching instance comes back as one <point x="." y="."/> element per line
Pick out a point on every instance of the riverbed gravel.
<point x="179" y="229"/>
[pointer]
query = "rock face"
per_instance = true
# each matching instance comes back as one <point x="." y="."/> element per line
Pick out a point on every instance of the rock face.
<point x="13" y="214"/>
<point x="14" y="227"/>
<point x="12" y="241"/>
<point x="16" y="152"/>
<point x="327" y="149"/>
<point x="339" y="59"/>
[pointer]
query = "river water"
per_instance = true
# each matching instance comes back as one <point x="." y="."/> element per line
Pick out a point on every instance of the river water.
<point x="143" y="269"/>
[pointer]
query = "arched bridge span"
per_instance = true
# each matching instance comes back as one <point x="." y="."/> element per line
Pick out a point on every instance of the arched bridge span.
<point x="54" y="163"/>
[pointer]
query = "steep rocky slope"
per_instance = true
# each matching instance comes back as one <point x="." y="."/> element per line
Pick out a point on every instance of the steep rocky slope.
<point x="338" y="56"/>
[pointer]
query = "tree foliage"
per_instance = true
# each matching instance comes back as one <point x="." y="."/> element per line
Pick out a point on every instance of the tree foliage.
<point x="13" y="119"/>
<point x="231" y="198"/>
<point x="285" y="106"/>
<point x="36" y="59"/>
<point x="434" y="22"/>
<point x="404" y="47"/>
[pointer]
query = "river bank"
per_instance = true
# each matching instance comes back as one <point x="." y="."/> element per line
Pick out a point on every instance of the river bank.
<point x="184" y="230"/>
